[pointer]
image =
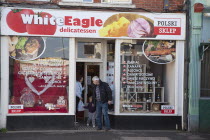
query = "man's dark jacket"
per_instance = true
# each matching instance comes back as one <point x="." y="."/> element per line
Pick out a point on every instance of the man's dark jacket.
<point x="105" y="92"/>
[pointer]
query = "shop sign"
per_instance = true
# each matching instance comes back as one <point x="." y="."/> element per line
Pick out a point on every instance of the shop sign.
<point x="167" y="109"/>
<point x="92" y="24"/>
<point x="16" y="109"/>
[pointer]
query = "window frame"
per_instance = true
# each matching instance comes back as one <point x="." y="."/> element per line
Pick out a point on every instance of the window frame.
<point x="114" y="2"/>
<point x="40" y="0"/>
<point x="78" y="1"/>
<point x="71" y="111"/>
<point x="204" y="62"/>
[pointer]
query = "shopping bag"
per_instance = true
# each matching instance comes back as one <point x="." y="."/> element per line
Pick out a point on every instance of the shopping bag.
<point x="80" y="106"/>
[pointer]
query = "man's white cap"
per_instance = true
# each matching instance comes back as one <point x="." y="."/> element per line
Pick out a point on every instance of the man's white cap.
<point x="95" y="78"/>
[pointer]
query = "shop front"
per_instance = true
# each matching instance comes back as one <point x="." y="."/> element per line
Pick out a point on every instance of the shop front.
<point x="140" y="56"/>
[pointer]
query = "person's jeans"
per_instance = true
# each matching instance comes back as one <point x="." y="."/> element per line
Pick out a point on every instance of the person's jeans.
<point x="102" y="108"/>
<point x="91" y="117"/>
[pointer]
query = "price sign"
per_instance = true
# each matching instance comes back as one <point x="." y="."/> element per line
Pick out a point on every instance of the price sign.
<point x="167" y="109"/>
<point x="16" y="109"/>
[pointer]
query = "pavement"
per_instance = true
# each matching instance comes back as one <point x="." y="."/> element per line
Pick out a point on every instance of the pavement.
<point x="103" y="135"/>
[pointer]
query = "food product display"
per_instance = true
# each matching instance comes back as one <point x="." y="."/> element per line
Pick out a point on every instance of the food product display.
<point x="139" y="28"/>
<point x="27" y="98"/>
<point x="160" y="51"/>
<point x="25" y="48"/>
<point x="127" y="25"/>
<point x="116" y="29"/>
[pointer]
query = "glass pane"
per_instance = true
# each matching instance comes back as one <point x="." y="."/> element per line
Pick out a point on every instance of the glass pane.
<point x="121" y="0"/>
<point x="110" y="51"/>
<point x="87" y="0"/>
<point x="145" y="86"/>
<point x="89" y="50"/>
<point x="106" y="0"/>
<point x="39" y="82"/>
<point x="111" y="70"/>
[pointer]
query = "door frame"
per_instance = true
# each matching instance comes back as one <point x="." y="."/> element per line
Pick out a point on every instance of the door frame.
<point x="102" y="62"/>
<point x="100" y="75"/>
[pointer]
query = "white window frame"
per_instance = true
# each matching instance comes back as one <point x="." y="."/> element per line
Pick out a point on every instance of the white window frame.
<point x="114" y="2"/>
<point x="81" y="1"/>
<point x="179" y="81"/>
<point x="4" y="96"/>
<point x="39" y="0"/>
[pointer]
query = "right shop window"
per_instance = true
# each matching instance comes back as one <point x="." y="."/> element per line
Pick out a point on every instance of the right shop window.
<point x="148" y="77"/>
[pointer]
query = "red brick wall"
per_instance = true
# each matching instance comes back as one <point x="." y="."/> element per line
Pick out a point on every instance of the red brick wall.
<point x="176" y="4"/>
<point x="157" y="5"/>
<point x="150" y="5"/>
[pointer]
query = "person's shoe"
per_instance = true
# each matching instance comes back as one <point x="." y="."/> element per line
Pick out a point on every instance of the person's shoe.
<point x="107" y="129"/>
<point x="99" y="128"/>
<point x="87" y="124"/>
<point x="94" y="126"/>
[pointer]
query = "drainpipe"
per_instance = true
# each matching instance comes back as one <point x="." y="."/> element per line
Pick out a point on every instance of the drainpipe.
<point x="187" y="58"/>
<point x="194" y="67"/>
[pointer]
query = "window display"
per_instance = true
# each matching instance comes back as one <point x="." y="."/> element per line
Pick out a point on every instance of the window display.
<point x="146" y="86"/>
<point x="39" y="83"/>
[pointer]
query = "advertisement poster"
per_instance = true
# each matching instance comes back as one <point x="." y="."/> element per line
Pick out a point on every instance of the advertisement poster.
<point x="160" y="51"/>
<point x="94" y="24"/>
<point x="40" y="85"/>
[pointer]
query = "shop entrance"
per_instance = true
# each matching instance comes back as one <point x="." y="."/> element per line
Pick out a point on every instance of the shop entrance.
<point x="87" y="70"/>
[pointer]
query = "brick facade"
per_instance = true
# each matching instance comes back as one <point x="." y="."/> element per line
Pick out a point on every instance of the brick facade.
<point x="141" y="5"/>
<point x="158" y="5"/>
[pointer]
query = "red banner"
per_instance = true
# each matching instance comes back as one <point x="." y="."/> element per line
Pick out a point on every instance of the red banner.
<point x="167" y="30"/>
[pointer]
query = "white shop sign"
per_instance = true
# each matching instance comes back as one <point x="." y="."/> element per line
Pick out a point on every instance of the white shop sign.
<point x="93" y="24"/>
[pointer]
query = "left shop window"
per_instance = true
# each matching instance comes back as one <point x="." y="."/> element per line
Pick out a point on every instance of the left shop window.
<point x="38" y="81"/>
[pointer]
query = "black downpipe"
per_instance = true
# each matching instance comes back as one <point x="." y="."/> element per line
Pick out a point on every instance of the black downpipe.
<point x="187" y="62"/>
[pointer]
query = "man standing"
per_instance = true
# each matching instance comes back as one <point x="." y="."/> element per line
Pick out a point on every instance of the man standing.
<point x="102" y="96"/>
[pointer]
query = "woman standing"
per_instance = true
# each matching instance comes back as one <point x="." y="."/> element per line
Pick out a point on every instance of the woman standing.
<point x="79" y="90"/>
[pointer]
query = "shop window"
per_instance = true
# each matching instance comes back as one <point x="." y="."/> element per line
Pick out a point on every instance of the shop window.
<point x="89" y="50"/>
<point x="205" y="75"/>
<point x="110" y="51"/>
<point x="110" y="70"/>
<point x="148" y="77"/>
<point x="38" y="74"/>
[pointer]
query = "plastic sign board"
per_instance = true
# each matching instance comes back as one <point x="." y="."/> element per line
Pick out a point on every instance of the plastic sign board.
<point x="93" y="24"/>
<point x="167" y="109"/>
<point x="16" y="109"/>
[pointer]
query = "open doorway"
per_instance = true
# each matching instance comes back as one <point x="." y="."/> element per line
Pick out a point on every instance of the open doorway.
<point x="86" y="70"/>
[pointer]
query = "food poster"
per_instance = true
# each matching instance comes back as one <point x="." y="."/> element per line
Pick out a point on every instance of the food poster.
<point x="93" y="24"/>
<point x="161" y="51"/>
<point x="38" y="82"/>
<point x="25" y="48"/>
